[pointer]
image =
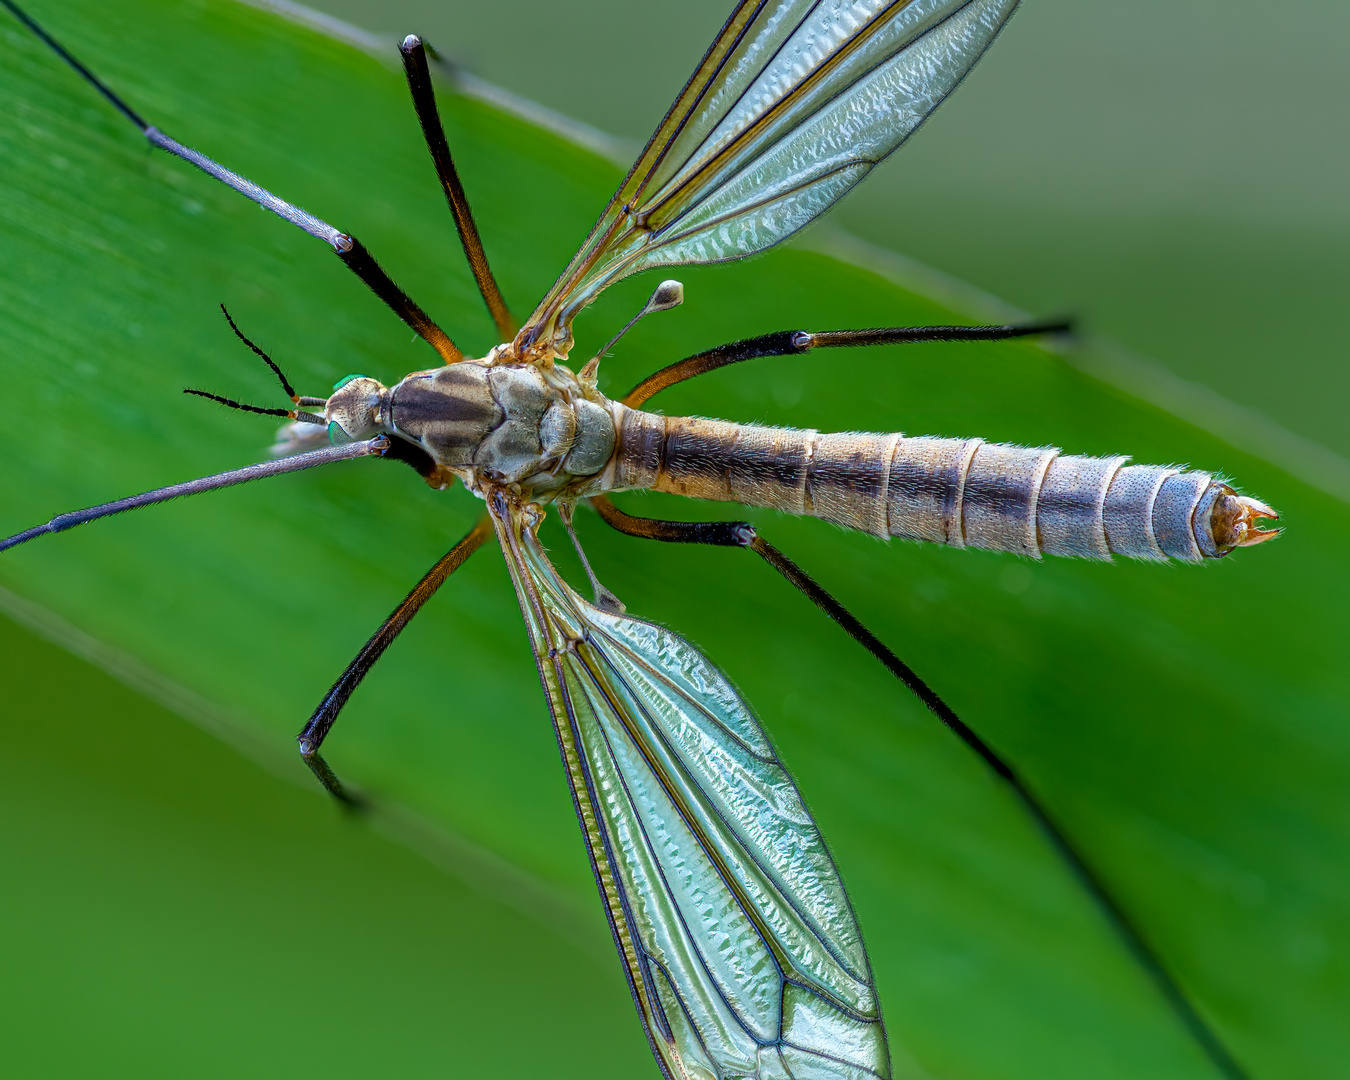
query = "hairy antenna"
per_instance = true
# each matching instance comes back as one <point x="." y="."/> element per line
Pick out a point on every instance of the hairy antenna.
<point x="290" y="414"/>
<point x="285" y="382"/>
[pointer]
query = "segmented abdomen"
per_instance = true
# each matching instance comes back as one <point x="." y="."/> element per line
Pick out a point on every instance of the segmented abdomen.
<point x="962" y="492"/>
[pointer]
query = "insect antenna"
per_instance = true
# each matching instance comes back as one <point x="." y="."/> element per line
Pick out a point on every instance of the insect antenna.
<point x="350" y="250"/>
<point x="281" y="377"/>
<point x="291" y="414"/>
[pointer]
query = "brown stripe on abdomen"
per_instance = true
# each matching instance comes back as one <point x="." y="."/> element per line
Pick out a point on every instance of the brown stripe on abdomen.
<point x="962" y="492"/>
<point x="711" y="459"/>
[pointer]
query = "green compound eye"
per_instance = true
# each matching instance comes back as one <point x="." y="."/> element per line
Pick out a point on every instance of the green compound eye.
<point x="336" y="434"/>
<point x="345" y="380"/>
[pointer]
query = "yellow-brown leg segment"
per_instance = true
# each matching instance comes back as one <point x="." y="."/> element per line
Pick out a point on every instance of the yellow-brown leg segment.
<point x="424" y="101"/>
<point x="316" y="730"/>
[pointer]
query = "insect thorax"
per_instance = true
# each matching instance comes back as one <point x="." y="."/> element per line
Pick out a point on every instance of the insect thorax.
<point x="506" y="423"/>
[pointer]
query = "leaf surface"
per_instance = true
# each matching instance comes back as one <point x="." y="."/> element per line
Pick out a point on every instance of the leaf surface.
<point x="1187" y="725"/>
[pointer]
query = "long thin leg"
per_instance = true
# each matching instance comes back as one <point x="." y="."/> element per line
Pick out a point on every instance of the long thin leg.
<point x="380" y="446"/>
<point x="742" y="534"/>
<point x="348" y="248"/>
<point x="362" y="263"/>
<point x="795" y="342"/>
<point x="424" y="101"/>
<point x="316" y="730"/>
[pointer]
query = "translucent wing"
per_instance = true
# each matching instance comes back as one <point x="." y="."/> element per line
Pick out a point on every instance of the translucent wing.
<point x="741" y="948"/>
<point x="791" y="106"/>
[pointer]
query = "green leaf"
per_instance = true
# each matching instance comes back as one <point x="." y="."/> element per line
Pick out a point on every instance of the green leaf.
<point x="1187" y="725"/>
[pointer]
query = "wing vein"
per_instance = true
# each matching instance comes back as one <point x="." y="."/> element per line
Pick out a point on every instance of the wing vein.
<point x="750" y="82"/>
<point x="727" y="911"/>
<point x="658" y="677"/>
<point x="673" y="136"/>
<point x="798" y="92"/>
<point x="718" y="866"/>
<point x="745" y="208"/>
<point x="715" y="858"/>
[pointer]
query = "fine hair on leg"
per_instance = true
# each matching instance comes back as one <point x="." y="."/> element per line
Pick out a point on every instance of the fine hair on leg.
<point x="796" y="342"/>
<point x="347" y="247"/>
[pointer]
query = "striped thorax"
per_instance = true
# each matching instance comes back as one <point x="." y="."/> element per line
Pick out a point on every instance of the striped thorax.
<point x="531" y="426"/>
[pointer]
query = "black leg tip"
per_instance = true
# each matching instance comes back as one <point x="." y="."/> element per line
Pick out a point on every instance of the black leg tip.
<point x="323" y="772"/>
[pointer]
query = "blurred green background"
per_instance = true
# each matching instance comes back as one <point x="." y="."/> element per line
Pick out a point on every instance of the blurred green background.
<point x="181" y="905"/>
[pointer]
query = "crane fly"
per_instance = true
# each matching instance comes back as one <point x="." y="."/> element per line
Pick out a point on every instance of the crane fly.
<point x="738" y="940"/>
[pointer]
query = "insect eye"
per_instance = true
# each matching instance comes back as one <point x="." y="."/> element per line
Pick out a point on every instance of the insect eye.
<point x="345" y="380"/>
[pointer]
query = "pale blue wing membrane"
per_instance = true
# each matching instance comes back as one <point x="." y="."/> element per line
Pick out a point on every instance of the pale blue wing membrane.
<point x="839" y="55"/>
<point x="741" y="946"/>
<point x="796" y="105"/>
